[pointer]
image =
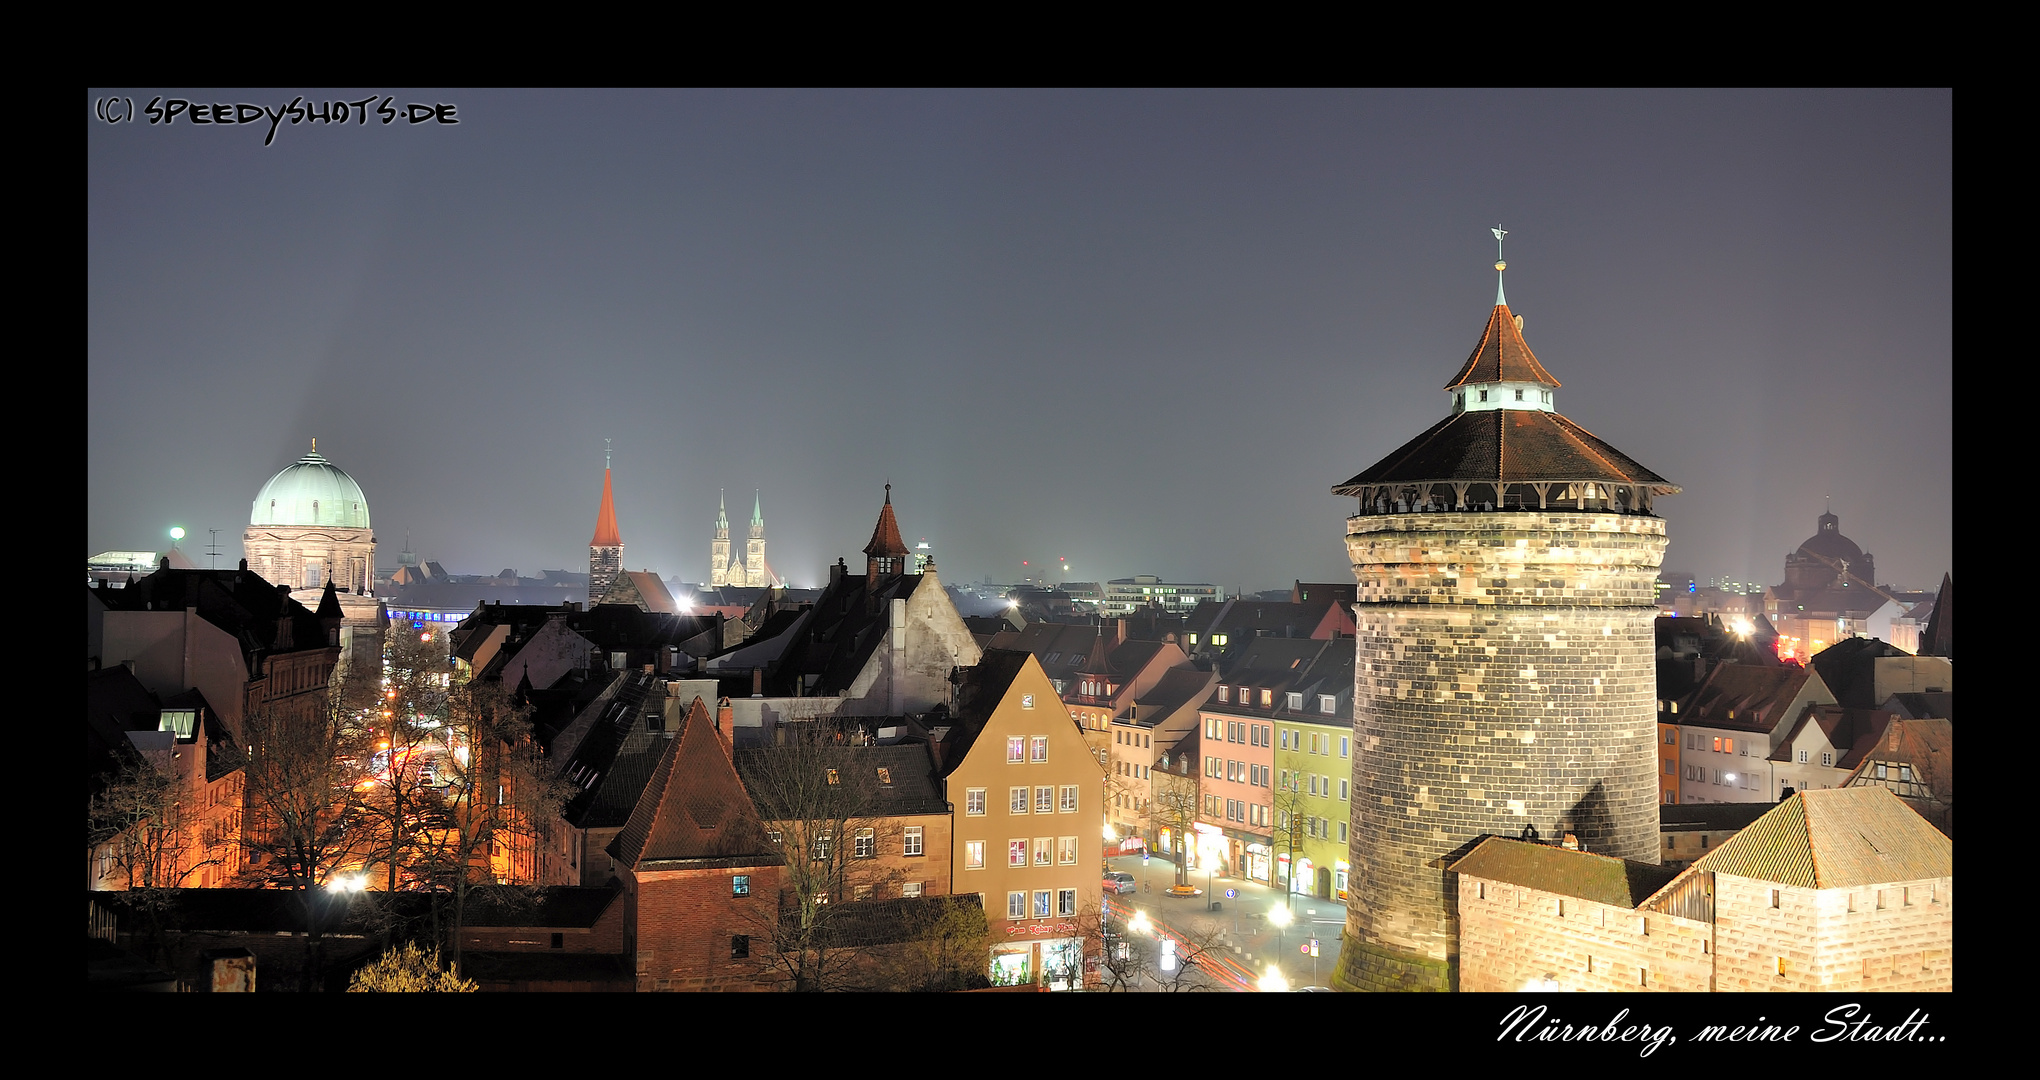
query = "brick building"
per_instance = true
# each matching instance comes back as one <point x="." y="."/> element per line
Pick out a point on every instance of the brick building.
<point x="1505" y="561"/>
<point x="1841" y="890"/>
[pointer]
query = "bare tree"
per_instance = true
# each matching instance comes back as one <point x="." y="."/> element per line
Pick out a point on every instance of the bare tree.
<point x="1176" y="809"/>
<point x="491" y="798"/>
<point x="821" y="806"/>
<point x="1292" y="824"/>
<point x="303" y="831"/>
<point x="143" y="823"/>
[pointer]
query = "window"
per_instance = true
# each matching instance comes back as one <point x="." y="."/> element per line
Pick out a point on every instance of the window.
<point x="1016" y="905"/>
<point x="821" y="853"/>
<point x="910" y="888"/>
<point x="1016" y="801"/>
<point x="1717" y="744"/>
<point x="1069" y="799"/>
<point x="1802" y="757"/>
<point x="866" y="844"/>
<point x="740" y="946"/>
<point x="773" y="835"/>
<point x="1016" y="853"/>
<point x="1774" y="897"/>
<point x="1066" y="902"/>
<point x="1342" y="832"/>
<point x="1671" y="737"/>
<point x="1344" y="743"/>
<point x="1267" y="696"/>
<point x="884" y="775"/>
<point x="1224" y="692"/>
<point x="1827" y="759"/>
<point x="1040" y="752"/>
<point x="1016" y="749"/>
<point x="1027" y="701"/>
<point x="1044" y="800"/>
<point x="1343" y="785"/>
<point x="1295" y="701"/>
<point x="911" y="843"/>
<point x="860" y="892"/>
<point x="1044" y="850"/>
<point x="973" y="854"/>
<point x="740" y="885"/>
<point x="832" y="776"/>
<point x="974" y="802"/>
<point x="1066" y="850"/>
<point x="1327" y="704"/>
<point x="1043" y="899"/>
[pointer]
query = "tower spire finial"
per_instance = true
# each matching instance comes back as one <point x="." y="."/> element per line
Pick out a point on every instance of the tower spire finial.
<point x="605" y="452"/>
<point x="1500" y="300"/>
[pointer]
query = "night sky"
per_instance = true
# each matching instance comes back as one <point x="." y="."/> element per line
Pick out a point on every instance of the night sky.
<point x="1143" y="331"/>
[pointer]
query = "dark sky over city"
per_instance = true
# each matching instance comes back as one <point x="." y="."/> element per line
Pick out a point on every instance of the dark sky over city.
<point x="1143" y="331"/>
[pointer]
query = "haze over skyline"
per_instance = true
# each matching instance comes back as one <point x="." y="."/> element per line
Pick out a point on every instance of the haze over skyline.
<point x="1144" y="330"/>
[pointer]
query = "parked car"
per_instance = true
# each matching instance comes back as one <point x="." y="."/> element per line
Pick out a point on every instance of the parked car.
<point x="1118" y="882"/>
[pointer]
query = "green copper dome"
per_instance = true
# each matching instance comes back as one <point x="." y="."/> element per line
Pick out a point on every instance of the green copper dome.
<point x="312" y="491"/>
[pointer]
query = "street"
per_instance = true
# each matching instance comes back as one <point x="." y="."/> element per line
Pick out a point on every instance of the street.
<point x="1234" y="944"/>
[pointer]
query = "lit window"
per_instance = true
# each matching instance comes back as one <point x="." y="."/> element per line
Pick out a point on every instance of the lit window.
<point x="1016" y="853"/>
<point x="1069" y="799"/>
<point x="740" y="885"/>
<point x="822" y="845"/>
<point x="866" y="844"/>
<point x="1016" y="801"/>
<point x="974" y="802"/>
<point x="1043" y="901"/>
<point x="1044" y="850"/>
<point x="910" y="888"/>
<point x="1040" y="751"/>
<point x="1066" y="850"/>
<point x="911" y="842"/>
<point x="832" y="776"/>
<point x="884" y="775"/>
<point x="973" y="854"/>
<point x="1044" y="800"/>
<point x="1016" y="905"/>
<point x="1016" y="749"/>
<point x="860" y="892"/>
<point x="1267" y="696"/>
<point x="1224" y="692"/>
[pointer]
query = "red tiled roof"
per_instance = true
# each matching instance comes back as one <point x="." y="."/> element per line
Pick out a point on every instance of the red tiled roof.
<point x="885" y="537"/>
<point x="1502" y="355"/>
<point x="694" y="807"/>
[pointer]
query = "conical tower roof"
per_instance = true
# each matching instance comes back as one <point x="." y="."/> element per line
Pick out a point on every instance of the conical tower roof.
<point x="1502" y="355"/>
<point x="605" y="519"/>
<point x="885" y="538"/>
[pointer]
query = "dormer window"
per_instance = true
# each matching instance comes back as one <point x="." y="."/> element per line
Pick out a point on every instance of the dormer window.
<point x="1483" y="395"/>
<point x="1519" y="395"/>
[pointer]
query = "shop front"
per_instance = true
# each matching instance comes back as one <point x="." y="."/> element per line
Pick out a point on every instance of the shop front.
<point x="1052" y="963"/>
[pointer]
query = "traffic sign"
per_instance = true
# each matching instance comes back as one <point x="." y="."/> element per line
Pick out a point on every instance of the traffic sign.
<point x="1231" y="893"/>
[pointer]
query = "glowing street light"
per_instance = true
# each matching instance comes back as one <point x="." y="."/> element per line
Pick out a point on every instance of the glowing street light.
<point x="1273" y="982"/>
<point x="1280" y="916"/>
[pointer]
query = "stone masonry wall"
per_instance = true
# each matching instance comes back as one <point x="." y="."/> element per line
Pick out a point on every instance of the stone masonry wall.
<point x="1510" y="934"/>
<point x="1896" y="936"/>
<point x="1505" y="678"/>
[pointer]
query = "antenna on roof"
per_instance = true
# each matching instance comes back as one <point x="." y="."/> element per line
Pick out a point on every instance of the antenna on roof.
<point x="1500" y="300"/>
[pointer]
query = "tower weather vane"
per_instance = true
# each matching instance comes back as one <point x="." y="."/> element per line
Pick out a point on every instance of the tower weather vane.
<point x="1499" y="264"/>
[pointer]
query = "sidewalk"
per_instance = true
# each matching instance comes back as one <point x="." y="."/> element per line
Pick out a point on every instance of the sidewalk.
<point x="1242" y="919"/>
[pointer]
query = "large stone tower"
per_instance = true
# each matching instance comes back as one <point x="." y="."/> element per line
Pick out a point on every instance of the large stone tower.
<point x="1504" y="679"/>
<point x="605" y="550"/>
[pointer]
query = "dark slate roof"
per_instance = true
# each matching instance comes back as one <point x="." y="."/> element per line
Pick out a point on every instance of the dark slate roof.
<point x="565" y="906"/>
<point x="1722" y="817"/>
<point x="694" y="809"/>
<point x="908" y="787"/>
<point x="836" y="641"/>
<point x="1600" y="878"/>
<point x="1502" y="355"/>
<point x="1938" y="639"/>
<point x="613" y="755"/>
<point x="1849" y="668"/>
<point x="1939" y="706"/>
<point x="1755" y="695"/>
<point x="1836" y="838"/>
<point x="262" y="617"/>
<point x="983" y="687"/>
<point x="1179" y="687"/>
<point x="1506" y="446"/>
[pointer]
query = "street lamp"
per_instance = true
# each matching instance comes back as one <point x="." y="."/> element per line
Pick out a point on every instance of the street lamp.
<point x="1280" y="917"/>
<point x="1273" y="982"/>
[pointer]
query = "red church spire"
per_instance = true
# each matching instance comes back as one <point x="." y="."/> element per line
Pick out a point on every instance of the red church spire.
<point x="605" y="519"/>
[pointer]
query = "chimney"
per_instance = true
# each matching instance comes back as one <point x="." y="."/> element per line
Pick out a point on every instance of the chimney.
<point x="836" y="571"/>
<point x="757" y="682"/>
<point x="1119" y="632"/>
<point x="725" y="716"/>
<point x="244" y="564"/>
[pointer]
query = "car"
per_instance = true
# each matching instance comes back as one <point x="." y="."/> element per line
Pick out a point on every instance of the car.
<point x="1119" y="882"/>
